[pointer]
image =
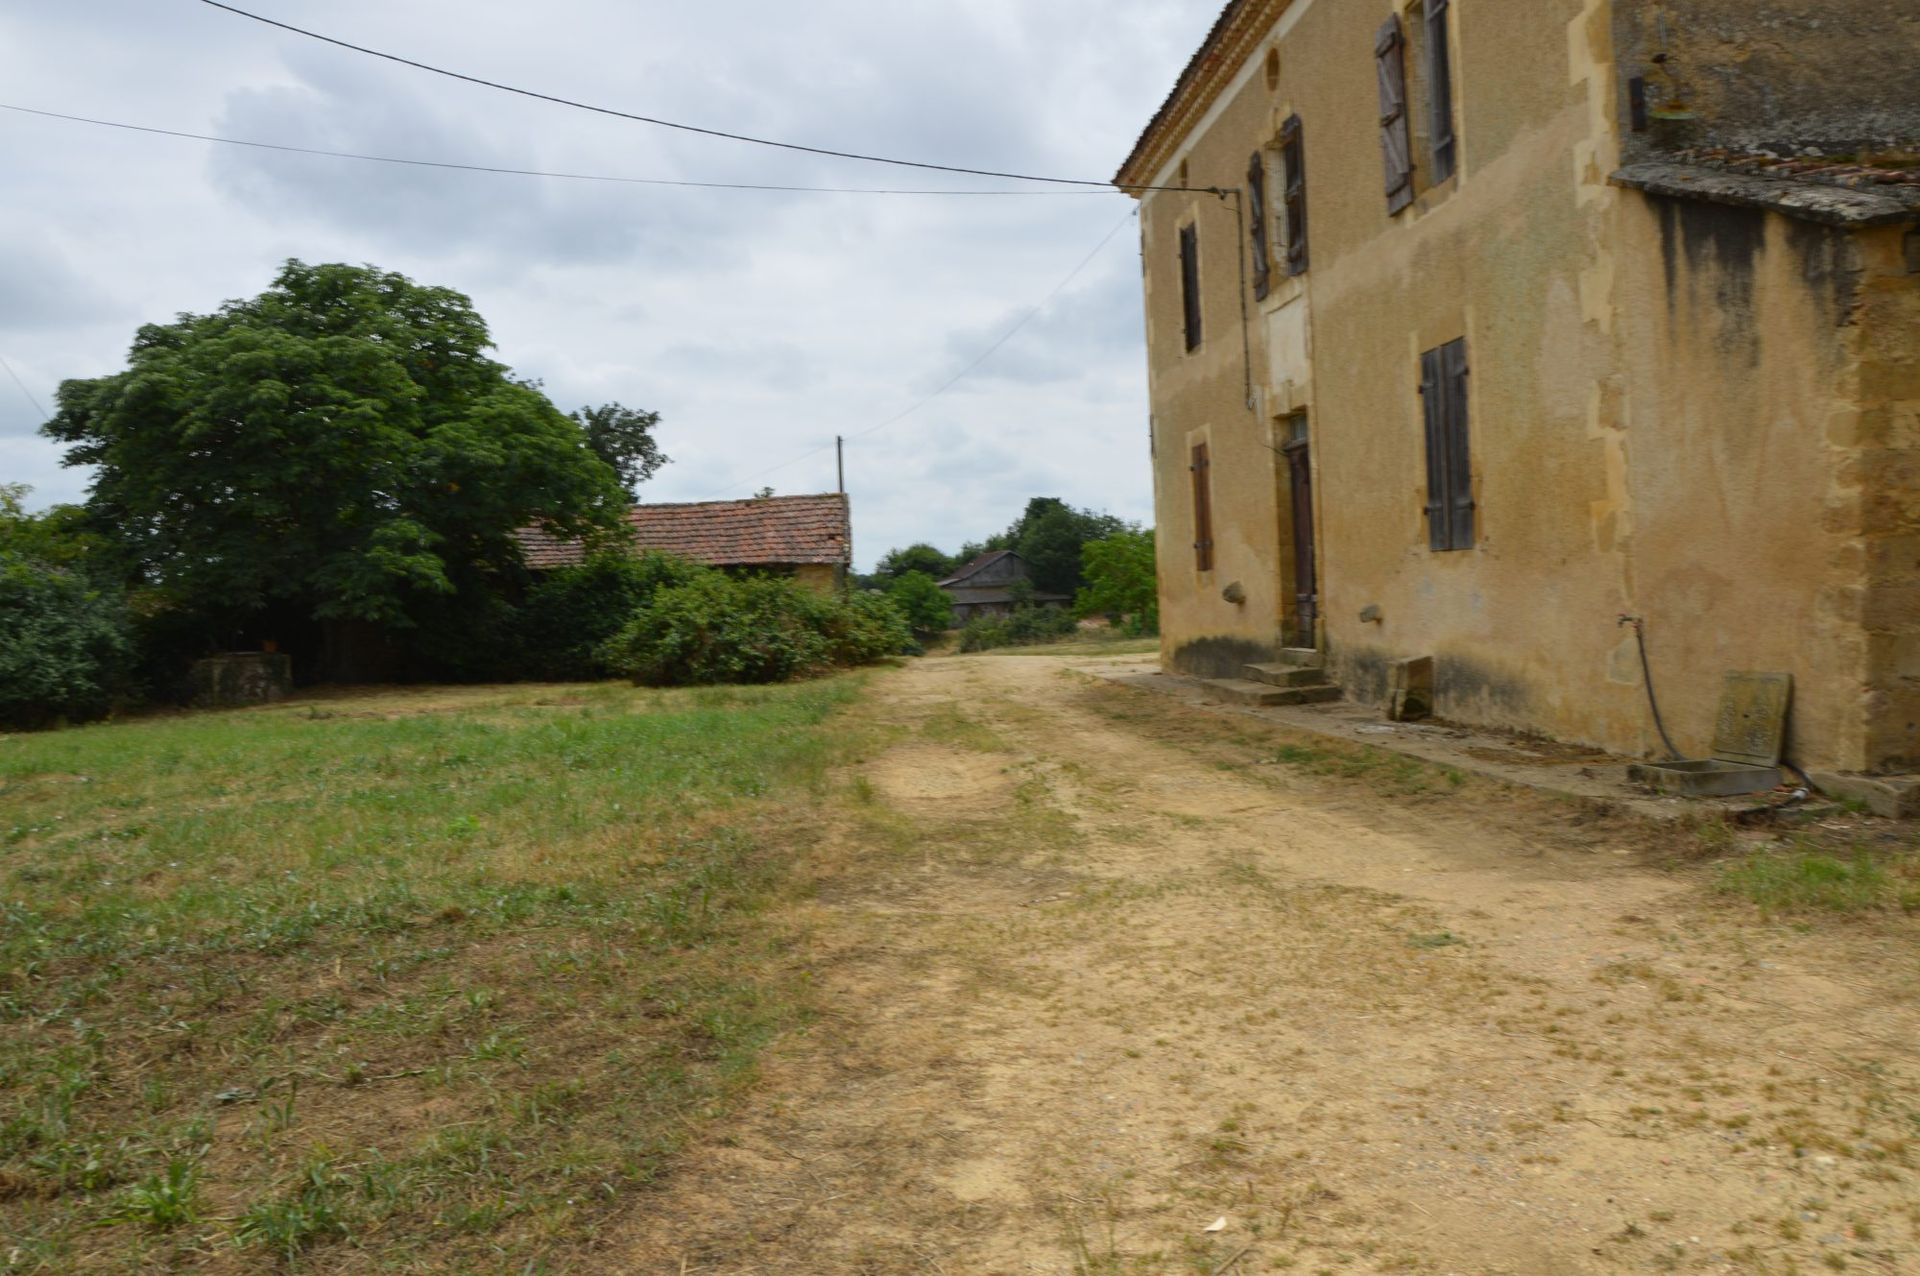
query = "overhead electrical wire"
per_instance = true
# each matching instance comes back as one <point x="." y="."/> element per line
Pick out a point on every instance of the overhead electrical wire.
<point x="957" y="377"/>
<point x="517" y="172"/>
<point x="674" y="124"/>
<point x="31" y="398"/>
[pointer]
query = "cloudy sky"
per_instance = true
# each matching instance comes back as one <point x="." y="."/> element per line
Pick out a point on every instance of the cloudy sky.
<point x="759" y="324"/>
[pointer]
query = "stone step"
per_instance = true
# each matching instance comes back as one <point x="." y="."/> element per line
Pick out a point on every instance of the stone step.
<point x="1242" y="691"/>
<point x="1287" y="675"/>
<point x="1302" y="657"/>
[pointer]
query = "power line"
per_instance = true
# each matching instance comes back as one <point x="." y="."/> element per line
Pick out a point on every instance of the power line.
<point x="672" y="124"/>
<point x="37" y="407"/>
<point x="957" y="377"/>
<point x="514" y="172"/>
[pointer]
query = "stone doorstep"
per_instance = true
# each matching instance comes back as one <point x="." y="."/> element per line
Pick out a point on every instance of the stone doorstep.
<point x="1265" y="694"/>
<point x="1288" y="675"/>
<point x="1897" y="797"/>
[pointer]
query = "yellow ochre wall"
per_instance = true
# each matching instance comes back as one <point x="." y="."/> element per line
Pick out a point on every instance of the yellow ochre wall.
<point x="1702" y="415"/>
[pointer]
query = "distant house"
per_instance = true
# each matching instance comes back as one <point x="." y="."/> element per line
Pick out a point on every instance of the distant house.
<point x="986" y="586"/>
<point x="807" y="537"/>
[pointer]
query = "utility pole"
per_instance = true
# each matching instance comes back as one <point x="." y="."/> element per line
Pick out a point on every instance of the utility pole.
<point x="840" y="461"/>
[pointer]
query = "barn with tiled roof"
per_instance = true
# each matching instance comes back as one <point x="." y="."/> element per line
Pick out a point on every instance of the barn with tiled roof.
<point x="810" y="537"/>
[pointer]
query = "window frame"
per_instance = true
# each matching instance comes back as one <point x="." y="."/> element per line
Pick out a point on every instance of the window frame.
<point x="1201" y="468"/>
<point x="1452" y="515"/>
<point x="1442" y="137"/>
<point x="1190" y="307"/>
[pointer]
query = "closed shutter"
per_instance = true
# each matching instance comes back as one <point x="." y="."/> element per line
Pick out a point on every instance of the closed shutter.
<point x="1443" y="401"/>
<point x="1453" y="370"/>
<point x="1202" y="509"/>
<point x="1396" y="147"/>
<point x="1433" y="409"/>
<point x="1257" y="217"/>
<point x="1440" y="89"/>
<point x="1190" y="282"/>
<point x="1293" y="158"/>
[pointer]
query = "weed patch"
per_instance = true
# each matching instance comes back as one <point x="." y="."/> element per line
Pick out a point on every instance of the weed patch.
<point x="1808" y="881"/>
<point x="454" y="970"/>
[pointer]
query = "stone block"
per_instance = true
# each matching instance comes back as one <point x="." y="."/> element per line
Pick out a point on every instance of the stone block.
<point x="1897" y="797"/>
<point x="1410" y="689"/>
<point x="239" y="678"/>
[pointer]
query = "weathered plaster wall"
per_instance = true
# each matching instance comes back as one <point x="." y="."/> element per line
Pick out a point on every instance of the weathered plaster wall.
<point x="1742" y="435"/>
<point x="1202" y="396"/>
<point x="1703" y="416"/>
<point x="1837" y="73"/>
<point x="1884" y="502"/>
<point x="821" y="577"/>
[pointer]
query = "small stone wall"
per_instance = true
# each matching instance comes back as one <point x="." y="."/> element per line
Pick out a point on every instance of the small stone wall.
<point x="241" y="678"/>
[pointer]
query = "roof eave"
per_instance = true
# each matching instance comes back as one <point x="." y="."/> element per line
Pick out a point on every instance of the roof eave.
<point x="1206" y="71"/>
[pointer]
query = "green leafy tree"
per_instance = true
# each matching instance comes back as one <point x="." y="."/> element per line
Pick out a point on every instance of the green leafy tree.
<point x="1049" y="536"/>
<point x="925" y="605"/>
<point x="919" y="557"/>
<point x="340" y="444"/>
<point x="63" y="643"/>
<point x="623" y="438"/>
<point x="58" y="536"/>
<point x="1121" y="582"/>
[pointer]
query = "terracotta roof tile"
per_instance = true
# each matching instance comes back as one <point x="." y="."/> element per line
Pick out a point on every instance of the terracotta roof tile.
<point x="766" y="531"/>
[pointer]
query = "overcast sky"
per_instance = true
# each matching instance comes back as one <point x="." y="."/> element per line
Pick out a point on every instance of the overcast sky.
<point x="759" y="325"/>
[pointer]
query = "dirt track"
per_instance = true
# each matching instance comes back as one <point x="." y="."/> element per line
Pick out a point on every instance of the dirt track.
<point x="1104" y="972"/>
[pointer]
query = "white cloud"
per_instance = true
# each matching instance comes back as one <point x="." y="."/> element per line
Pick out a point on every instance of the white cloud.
<point x="760" y="325"/>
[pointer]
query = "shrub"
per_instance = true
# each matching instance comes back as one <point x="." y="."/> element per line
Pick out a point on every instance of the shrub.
<point x="715" y="628"/>
<point x="983" y="633"/>
<point x="1021" y="626"/>
<point x="926" y="606"/>
<point x="63" y="644"/>
<point x="568" y="617"/>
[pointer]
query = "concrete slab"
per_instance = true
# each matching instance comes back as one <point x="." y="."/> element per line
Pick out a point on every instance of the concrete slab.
<point x="1566" y="770"/>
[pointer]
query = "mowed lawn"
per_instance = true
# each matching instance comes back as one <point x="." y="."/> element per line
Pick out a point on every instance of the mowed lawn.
<point x="414" y="981"/>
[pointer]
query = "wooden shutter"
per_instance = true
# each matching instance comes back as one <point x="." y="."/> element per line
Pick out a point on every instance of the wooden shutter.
<point x="1257" y="219"/>
<point x="1433" y="410"/>
<point x="1443" y="401"/>
<point x="1293" y="159"/>
<point x="1453" y="370"/>
<point x="1396" y="147"/>
<point x="1202" y="509"/>
<point x="1190" y="282"/>
<point x="1440" y="89"/>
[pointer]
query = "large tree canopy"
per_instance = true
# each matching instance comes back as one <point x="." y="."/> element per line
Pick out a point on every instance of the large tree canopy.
<point x="1049" y="536"/>
<point x="341" y="441"/>
<point x="623" y="438"/>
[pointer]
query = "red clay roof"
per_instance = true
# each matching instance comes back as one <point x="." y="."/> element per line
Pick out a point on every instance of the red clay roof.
<point x="765" y="531"/>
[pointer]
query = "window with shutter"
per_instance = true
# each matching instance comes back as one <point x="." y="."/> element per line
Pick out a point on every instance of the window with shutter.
<point x="1202" y="509"/>
<point x="1443" y="401"/>
<point x="1257" y="224"/>
<point x="1396" y="147"/>
<point x="1190" y="282"/>
<point x="1293" y="163"/>
<point x="1439" y="91"/>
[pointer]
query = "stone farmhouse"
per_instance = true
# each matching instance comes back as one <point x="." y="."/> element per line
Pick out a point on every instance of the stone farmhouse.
<point x="1475" y="326"/>
<point x="807" y="537"/>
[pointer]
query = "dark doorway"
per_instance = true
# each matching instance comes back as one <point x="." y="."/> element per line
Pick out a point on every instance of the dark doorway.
<point x="1306" y="580"/>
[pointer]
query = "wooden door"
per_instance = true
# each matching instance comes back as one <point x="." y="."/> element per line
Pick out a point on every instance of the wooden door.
<point x="1306" y="579"/>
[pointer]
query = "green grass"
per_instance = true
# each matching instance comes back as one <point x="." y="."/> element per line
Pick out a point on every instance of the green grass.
<point x="1806" y="881"/>
<point x="1089" y="646"/>
<point x="426" y="979"/>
